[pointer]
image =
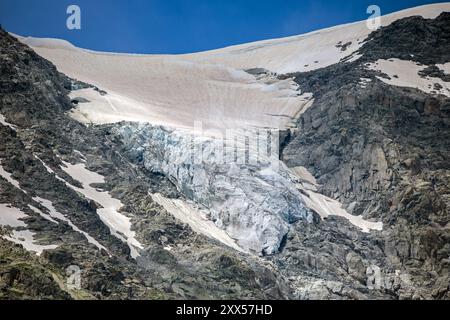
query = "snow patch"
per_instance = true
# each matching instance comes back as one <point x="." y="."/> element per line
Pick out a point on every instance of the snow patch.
<point x="405" y="73"/>
<point x="42" y="214"/>
<point x="196" y="219"/>
<point x="12" y="217"/>
<point x="325" y="206"/>
<point x="7" y="124"/>
<point x="49" y="170"/>
<point x="444" y="67"/>
<point x="8" y="177"/>
<point x="307" y="180"/>
<point x="55" y="214"/>
<point x="26" y="239"/>
<point x="119" y="224"/>
<point x="354" y="57"/>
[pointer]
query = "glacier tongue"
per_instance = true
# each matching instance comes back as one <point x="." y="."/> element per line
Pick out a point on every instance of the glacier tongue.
<point x="253" y="202"/>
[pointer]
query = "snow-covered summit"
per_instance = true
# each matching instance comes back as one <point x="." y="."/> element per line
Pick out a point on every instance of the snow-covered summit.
<point x="209" y="87"/>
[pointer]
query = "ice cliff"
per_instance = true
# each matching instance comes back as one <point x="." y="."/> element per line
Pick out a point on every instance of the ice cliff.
<point x="253" y="201"/>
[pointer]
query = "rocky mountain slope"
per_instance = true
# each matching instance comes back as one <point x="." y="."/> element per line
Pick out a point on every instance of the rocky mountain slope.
<point x="356" y="206"/>
<point x="36" y="151"/>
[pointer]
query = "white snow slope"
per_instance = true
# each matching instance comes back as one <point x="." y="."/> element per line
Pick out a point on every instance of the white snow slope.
<point x="211" y="87"/>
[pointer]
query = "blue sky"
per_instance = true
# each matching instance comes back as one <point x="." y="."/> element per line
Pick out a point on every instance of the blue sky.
<point x="182" y="26"/>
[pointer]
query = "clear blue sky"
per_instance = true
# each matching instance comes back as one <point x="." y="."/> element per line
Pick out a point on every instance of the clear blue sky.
<point x="182" y="26"/>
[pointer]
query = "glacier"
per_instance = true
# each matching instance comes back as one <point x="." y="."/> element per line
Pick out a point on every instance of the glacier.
<point x="253" y="201"/>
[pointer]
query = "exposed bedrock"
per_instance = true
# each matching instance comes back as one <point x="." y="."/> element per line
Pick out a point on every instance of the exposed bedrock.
<point x="382" y="150"/>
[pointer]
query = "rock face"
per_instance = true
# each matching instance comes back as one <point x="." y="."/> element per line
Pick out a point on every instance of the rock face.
<point x="381" y="150"/>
